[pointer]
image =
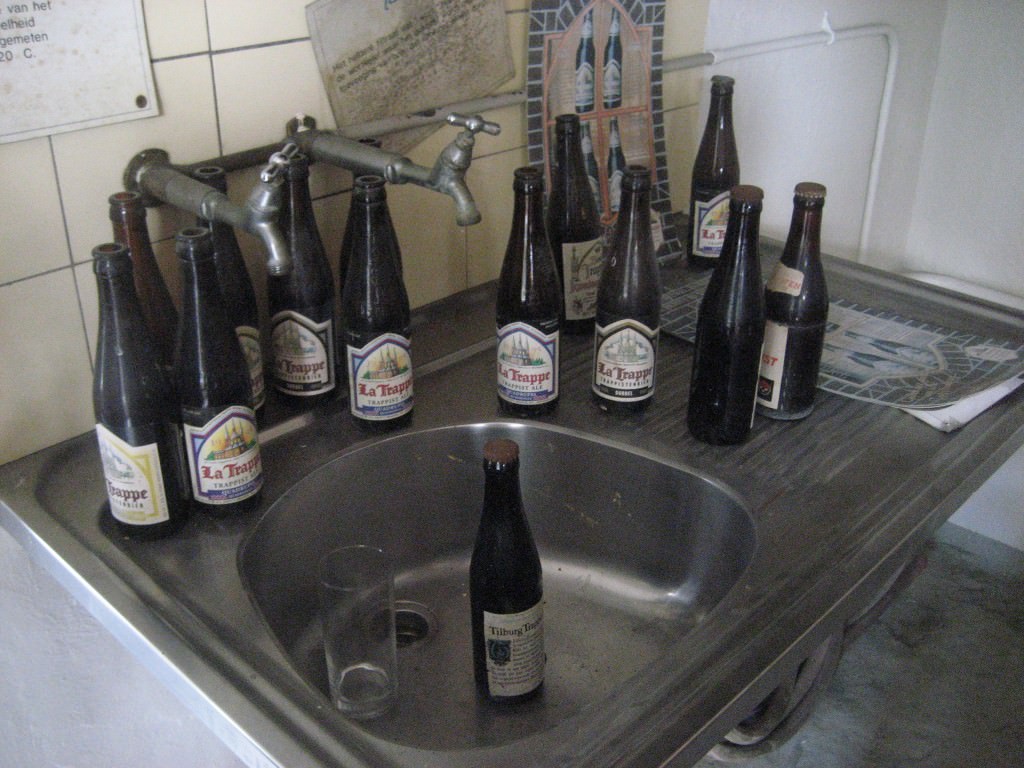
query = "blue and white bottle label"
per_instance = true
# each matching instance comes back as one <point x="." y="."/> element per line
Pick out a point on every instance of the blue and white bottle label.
<point x="224" y="457"/>
<point x="380" y="378"/>
<point x="527" y="365"/>
<point x="711" y="217"/>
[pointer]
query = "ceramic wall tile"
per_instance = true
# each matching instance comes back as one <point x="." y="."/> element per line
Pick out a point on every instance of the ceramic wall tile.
<point x="91" y="163"/>
<point x="46" y="378"/>
<point x="239" y="23"/>
<point x="175" y="27"/>
<point x="259" y="90"/>
<point x="30" y="212"/>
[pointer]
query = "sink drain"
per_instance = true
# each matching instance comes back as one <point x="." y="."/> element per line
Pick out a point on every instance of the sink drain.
<point x="414" y="623"/>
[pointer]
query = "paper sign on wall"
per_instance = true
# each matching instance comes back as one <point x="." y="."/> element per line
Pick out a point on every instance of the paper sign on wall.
<point x="71" y="64"/>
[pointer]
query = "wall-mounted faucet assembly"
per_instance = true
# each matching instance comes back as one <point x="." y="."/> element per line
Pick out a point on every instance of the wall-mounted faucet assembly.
<point x="151" y="173"/>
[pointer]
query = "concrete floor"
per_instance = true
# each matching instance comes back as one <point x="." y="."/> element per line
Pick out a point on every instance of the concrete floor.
<point x="937" y="682"/>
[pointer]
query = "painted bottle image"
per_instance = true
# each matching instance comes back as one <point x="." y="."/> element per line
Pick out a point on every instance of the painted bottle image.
<point x="586" y="61"/>
<point x="574" y="228"/>
<point x="612" y="75"/>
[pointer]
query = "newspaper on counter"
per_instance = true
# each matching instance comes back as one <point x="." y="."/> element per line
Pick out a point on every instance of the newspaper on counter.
<point x="942" y="376"/>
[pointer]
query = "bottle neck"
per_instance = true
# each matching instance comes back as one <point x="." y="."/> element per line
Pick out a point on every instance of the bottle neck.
<point x="129" y="227"/>
<point x="501" y="488"/>
<point x="804" y="239"/>
<point x="633" y="227"/>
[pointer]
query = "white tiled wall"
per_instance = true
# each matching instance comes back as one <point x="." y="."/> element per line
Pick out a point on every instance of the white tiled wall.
<point x="229" y="75"/>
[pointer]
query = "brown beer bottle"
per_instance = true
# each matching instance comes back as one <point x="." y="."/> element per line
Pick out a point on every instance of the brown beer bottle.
<point x="506" y="589"/>
<point x="128" y="217"/>
<point x="136" y="416"/>
<point x="716" y="170"/>
<point x="375" y="315"/>
<point x="236" y="287"/>
<point x="574" y="228"/>
<point x="527" y="307"/>
<point x="628" y="304"/>
<point x="730" y="329"/>
<point x="302" y="302"/>
<point x="215" y="393"/>
<point x="796" y="299"/>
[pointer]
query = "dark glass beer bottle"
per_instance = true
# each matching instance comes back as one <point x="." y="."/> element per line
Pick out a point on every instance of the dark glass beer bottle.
<point x="628" y="304"/>
<point x="528" y="306"/>
<point x="375" y="316"/>
<point x="128" y="217"/>
<point x="236" y="287"/>
<point x="505" y="586"/>
<point x="586" y="60"/>
<point x="212" y="376"/>
<point x="716" y="170"/>
<point x="574" y="228"/>
<point x="136" y="417"/>
<point x="611" y="81"/>
<point x="796" y="300"/>
<point x="730" y="330"/>
<point x="302" y="302"/>
<point x="616" y="165"/>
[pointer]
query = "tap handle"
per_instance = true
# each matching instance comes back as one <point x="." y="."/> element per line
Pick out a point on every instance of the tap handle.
<point x="277" y="162"/>
<point x="474" y="124"/>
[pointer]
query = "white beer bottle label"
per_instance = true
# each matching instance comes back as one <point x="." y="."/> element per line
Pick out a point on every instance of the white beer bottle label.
<point x="303" y="354"/>
<point x="625" y="353"/>
<point x="581" y="274"/>
<point x="515" y="651"/>
<point x="135" y="484"/>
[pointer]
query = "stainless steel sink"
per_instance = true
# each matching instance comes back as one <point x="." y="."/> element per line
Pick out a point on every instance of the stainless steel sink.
<point x="636" y="552"/>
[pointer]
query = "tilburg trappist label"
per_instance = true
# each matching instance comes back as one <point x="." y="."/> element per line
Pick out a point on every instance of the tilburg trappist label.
<point x="624" y="358"/>
<point x="224" y="457"/>
<point x="515" y="651"/>
<point x="380" y="378"/>
<point x="135" y="484"/>
<point x="303" y="354"/>
<point x="527" y="364"/>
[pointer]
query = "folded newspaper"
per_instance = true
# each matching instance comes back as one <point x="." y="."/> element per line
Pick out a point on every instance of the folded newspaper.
<point x="941" y="376"/>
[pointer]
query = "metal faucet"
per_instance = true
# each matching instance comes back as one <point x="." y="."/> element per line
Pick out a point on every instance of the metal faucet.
<point x="150" y="172"/>
<point x="448" y="174"/>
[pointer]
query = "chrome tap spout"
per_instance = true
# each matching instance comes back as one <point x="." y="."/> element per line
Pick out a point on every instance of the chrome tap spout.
<point x="447" y="176"/>
<point x="151" y="173"/>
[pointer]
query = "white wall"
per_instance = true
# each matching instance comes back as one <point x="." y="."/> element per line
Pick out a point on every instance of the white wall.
<point x="967" y="220"/>
<point x="811" y="113"/>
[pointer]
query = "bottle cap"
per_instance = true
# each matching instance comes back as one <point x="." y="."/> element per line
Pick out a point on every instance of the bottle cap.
<point x="501" y="451"/>
<point x="111" y="259"/>
<point x="809" y="190"/>
<point x="194" y="244"/>
<point x="746" y="197"/>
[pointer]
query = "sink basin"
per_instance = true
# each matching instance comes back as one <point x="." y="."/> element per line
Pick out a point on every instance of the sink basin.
<point x="635" y="553"/>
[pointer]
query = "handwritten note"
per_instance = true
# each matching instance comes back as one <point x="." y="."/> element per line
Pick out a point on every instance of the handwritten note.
<point x="384" y="58"/>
